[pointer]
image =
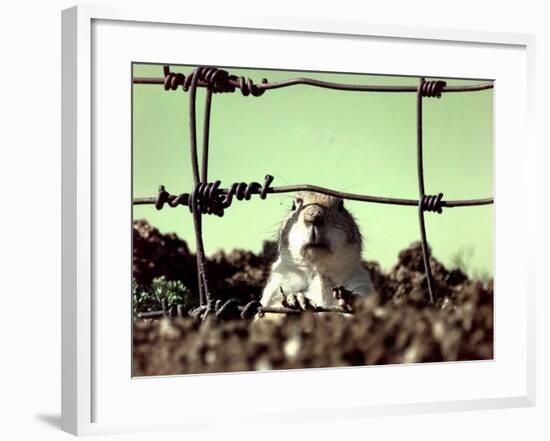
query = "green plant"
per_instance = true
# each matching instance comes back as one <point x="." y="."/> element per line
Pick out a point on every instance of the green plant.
<point x="150" y="298"/>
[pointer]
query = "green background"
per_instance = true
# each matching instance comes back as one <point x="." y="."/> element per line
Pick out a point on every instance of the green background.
<point x="358" y="142"/>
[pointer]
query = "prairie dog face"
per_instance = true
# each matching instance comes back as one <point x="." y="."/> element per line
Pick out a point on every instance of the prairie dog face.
<point x="318" y="227"/>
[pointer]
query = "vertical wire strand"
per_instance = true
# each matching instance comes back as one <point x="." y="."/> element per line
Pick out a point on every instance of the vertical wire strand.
<point x="206" y="134"/>
<point x="421" y="192"/>
<point x="193" y="125"/>
<point x="204" y="294"/>
<point x="205" y="149"/>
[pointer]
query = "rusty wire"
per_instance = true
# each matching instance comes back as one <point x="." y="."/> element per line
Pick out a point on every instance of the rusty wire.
<point x="429" y="202"/>
<point x="245" y="85"/>
<point x="242" y="311"/>
<point x="210" y="198"/>
<point x="432" y="88"/>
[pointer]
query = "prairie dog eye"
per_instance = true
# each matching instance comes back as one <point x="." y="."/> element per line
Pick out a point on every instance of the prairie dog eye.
<point x="341" y="205"/>
<point x="293" y="206"/>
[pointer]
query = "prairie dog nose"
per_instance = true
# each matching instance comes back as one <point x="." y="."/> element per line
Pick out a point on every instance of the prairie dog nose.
<point x="314" y="216"/>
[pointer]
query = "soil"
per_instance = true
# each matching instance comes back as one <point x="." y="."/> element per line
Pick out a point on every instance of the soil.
<point x="396" y="326"/>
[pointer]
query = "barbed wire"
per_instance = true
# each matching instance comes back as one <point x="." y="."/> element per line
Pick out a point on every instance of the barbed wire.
<point x="241" y="312"/>
<point x="172" y="81"/>
<point x="431" y="203"/>
<point x="210" y="198"/>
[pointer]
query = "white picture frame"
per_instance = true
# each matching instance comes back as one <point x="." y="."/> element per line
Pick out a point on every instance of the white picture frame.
<point x="84" y="388"/>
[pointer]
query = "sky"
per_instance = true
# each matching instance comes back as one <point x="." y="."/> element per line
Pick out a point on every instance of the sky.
<point x="358" y="142"/>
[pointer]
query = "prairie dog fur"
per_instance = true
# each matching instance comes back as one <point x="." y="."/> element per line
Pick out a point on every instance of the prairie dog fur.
<point x="320" y="248"/>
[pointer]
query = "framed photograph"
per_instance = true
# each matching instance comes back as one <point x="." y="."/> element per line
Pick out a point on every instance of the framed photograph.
<point x="313" y="220"/>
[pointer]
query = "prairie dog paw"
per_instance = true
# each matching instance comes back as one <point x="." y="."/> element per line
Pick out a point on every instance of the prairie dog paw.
<point x="297" y="301"/>
<point x="345" y="297"/>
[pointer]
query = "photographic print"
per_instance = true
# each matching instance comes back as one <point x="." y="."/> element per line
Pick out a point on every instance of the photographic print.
<point x="295" y="219"/>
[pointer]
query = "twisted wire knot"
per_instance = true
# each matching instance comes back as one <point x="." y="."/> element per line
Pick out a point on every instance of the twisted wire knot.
<point x="251" y="309"/>
<point x="217" y="80"/>
<point x="164" y="197"/>
<point x="242" y="190"/>
<point x="206" y="197"/>
<point x="230" y="309"/>
<point x="432" y="203"/>
<point x="248" y="87"/>
<point x="210" y="199"/>
<point x="432" y="88"/>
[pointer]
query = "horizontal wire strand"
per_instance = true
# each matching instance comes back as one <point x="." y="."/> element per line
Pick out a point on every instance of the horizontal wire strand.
<point x="331" y="85"/>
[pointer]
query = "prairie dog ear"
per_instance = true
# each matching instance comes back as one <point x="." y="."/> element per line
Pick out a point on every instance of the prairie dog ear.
<point x="296" y="203"/>
<point x="341" y="205"/>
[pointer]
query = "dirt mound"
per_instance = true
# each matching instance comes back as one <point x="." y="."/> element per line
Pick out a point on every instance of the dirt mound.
<point x="239" y="273"/>
<point x="398" y="326"/>
<point x="376" y="334"/>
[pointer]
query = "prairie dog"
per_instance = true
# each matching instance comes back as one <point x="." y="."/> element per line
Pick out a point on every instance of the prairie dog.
<point x="319" y="249"/>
